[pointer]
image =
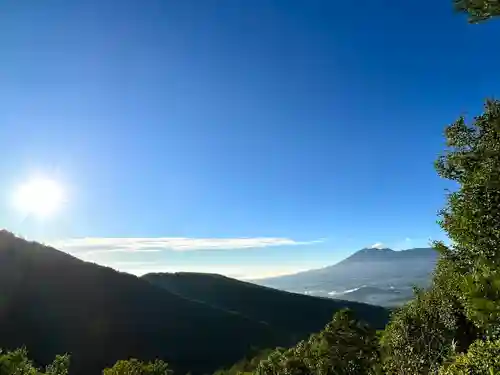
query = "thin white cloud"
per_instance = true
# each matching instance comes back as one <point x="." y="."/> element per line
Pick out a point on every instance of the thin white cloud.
<point x="93" y="245"/>
<point x="378" y="245"/>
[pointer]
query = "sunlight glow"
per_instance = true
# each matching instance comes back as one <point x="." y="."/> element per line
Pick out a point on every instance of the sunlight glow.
<point x="41" y="197"/>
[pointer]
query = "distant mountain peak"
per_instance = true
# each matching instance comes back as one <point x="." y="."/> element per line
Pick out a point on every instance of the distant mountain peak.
<point x="378" y="254"/>
<point x="380" y="276"/>
<point x="376" y="250"/>
<point x="369" y="253"/>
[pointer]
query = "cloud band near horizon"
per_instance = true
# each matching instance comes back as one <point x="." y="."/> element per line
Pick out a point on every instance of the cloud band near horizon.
<point x="91" y="245"/>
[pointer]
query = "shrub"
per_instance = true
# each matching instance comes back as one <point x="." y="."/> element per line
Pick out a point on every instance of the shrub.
<point x="136" y="367"/>
<point x="344" y="347"/>
<point x="17" y="363"/>
<point x="483" y="357"/>
<point x="430" y="328"/>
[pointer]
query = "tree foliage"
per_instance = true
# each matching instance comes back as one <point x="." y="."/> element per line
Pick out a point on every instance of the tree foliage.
<point x="136" y="367"/>
<point x="483" y="357"/>
<point x="472" y="215"/>
<point x="482" y="299"/>
<point x="473" y="161"/>
<point x="423" y="333"/>
<point x="463" y="302"/>
<point x="345" y="346"/>
<point x="479" y="10"/>
<point x="17" y="363"/>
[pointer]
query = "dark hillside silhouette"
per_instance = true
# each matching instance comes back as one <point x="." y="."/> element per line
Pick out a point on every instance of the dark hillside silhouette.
<point x="53" y="303"/>
<point x="297" y="314"/>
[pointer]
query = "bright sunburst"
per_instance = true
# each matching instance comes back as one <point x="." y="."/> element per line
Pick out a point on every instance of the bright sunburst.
<point x="41" y="197"/>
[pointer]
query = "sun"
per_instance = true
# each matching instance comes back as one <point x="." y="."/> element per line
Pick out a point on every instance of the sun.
<point x="41" y="197"/>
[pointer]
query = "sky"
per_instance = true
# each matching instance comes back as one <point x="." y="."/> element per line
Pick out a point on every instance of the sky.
<point x="249" y="138"/>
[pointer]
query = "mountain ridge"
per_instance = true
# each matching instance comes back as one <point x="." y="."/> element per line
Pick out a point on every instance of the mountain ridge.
<point x="369" y="254"/>
<point x="54" y="303"/>
<point x="384" y="269"/>
<point x="364" y="254"/>
<point x="283" y="310"/>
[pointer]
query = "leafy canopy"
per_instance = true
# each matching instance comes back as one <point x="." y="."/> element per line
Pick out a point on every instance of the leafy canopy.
<point x="483" y="357"/>
<point x="136" y="367"/>
<point x="473" y="161"/>
<point x="344" y="347"/>
<point x="17" y="363"/>
<point x="478" y="10"/>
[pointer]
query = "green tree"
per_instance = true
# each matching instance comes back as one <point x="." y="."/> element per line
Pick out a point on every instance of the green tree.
<point x="344" y="347"/>
<point x="463" y="302"/>
<point x="482" y="299"/>
<point x="16" y="362"/>
<point x="473" y="161"/>
<point x="478" y="10"/>
<point x="60" y="366"/>
<point x="290" y="362"/>
<point x="482" y="358"/>
<point x="136" y="367"/>
<point x="472" y="216"/>
<point x="425" y="332"/>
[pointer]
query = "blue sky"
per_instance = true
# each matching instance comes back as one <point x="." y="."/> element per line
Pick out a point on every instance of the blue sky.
<point x="308" y="127"/>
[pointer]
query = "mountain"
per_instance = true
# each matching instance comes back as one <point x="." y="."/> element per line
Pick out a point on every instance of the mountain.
<point x="54" y="303"/>
<point x="377" y="276"/>
<point x="385" y="254"/>
<point x="281" y="310"/>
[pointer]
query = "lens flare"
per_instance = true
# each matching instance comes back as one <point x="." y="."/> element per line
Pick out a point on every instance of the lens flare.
<point x="41" y="197"/>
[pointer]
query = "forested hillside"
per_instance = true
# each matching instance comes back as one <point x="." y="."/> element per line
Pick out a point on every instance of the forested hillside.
<point x="53" y="303"/>
<point x="297" y="314"/>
